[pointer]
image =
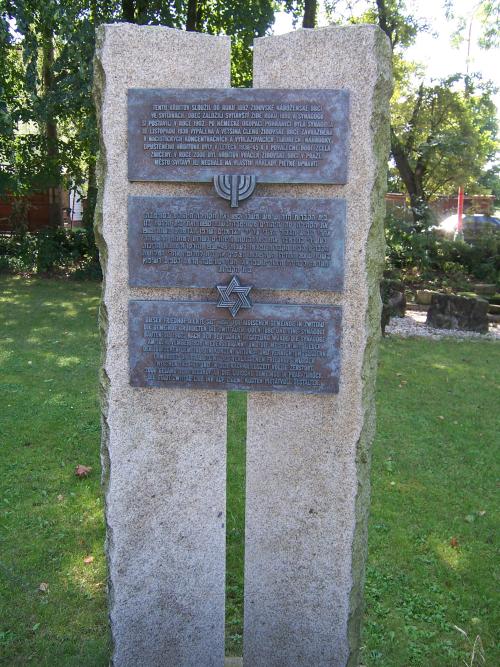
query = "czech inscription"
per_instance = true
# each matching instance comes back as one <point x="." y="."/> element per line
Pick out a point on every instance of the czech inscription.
<point x="272" y="242"/>
<point x="293" y="136"/>
<point x="269" y="348"/>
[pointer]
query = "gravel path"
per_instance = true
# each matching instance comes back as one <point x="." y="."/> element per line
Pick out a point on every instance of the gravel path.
<point x="414" y="325"/>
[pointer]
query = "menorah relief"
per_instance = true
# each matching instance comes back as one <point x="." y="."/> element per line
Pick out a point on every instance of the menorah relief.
<point x="234" y="187"/>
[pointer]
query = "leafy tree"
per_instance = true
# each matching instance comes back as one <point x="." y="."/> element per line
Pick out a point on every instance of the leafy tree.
<point x="486" y="13"/>
<point x="47" y="118"/>
<point x="243" y="21"/>
<point x="50" y="46"/>
<point x="7" y="89"/>
<point x="442" y="135"/>
<point x="393" y="17"/>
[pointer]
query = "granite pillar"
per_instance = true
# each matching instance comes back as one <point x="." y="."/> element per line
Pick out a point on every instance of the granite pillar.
<point x="307" y="479"/>
<point x="163" y="452"/>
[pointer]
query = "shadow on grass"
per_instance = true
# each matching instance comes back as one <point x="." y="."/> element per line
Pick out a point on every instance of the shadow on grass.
<point x="52" y="603"/>
<point x="432" y="529"/>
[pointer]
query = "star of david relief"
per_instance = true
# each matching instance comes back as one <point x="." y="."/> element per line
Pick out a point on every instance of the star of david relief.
<point x="234" y="296"/>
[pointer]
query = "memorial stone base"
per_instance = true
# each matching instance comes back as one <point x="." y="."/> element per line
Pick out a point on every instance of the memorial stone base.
<point x="163" y="452"/>
<point x="308" y="456"/>
<point x="241" y="237"/>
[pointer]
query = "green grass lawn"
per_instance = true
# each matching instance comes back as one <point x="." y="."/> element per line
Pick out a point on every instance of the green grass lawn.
<point x="432" y="531"/>
<point x="50" y="520"/>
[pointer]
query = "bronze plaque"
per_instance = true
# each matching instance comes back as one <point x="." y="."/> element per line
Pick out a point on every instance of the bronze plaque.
<point x="269" y="347"/>
<point x="279" y="136"/>
<point x="270" y="242"/>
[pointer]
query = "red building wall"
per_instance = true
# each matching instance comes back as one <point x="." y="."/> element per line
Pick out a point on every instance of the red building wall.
<point x="38" y="212"/>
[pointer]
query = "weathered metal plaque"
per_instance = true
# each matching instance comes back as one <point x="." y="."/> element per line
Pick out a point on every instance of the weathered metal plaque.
<point x="269" y="347"/>
<point x="271" y="242"/>
<point x="291" y="136"/>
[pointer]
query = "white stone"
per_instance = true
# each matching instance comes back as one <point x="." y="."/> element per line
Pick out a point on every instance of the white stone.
<point x="308" y="456"/>
<point x="163" y="451"/>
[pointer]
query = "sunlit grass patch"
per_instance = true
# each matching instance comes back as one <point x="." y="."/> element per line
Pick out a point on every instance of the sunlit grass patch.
<point x="451" y="556"/>
<point x="53" y="608"/>
<point x="433" y="528"/>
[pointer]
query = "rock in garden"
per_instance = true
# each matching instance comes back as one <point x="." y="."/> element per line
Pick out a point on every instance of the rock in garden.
<point x="393" y="301"/>
<point x="485" y="288"/>
<point x="424" y="297"/>
<point x="448" y="311"/>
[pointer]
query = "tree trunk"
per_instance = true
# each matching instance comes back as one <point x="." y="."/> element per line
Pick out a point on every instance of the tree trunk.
<point x="310" y="8"/>
<point x="192" y="15"/>
<point x="412" y="180"/>
<point x="52" y="153"/>
<point x="142" y="12"/>
<point x="128" y="11"/>
<point x="88" y="212"/>
<point x="382" y="20"/>
<point x="199" y="16"/>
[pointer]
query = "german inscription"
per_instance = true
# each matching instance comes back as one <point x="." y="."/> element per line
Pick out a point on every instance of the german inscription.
<point x="272" y="242"/>
<point x="292" y="136"/>
<point x="268" y="348"/>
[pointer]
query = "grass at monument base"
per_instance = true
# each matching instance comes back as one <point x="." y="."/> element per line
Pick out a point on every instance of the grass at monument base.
<point x="432" y="528"/>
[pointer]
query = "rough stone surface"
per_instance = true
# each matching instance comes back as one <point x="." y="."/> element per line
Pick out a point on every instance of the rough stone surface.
<point x="448" y="311"/>
<point x="485" y="288"/>
<point x="163" y="452"/>
<point x="424" y="297"/>
<point x="308" y="456"/>
<point x="393" y="301"/>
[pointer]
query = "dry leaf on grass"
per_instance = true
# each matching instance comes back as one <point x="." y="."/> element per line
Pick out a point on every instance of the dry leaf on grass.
<point x="88" y="559"/>
<point x="44" y="587"/>
<point x="82" y="471"/>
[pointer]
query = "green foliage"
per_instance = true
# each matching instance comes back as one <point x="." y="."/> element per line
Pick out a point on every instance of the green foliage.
<point x="393" y="16"/>
<point x="10" y="74"/>
<point x="50" y="520"/>
<point x="432" y="525"/>
<point x="407" y="250"/>
<point x="62" y="33"/>
<point x="447" y="131"/>
<point x="485" y="14"/>
<point x="51" y="251"/>
<point x="50" y="59"/>
<point x="424" y="256"/>
<point x="443" y="134"/>
<point x="242" y="21"/>
<point x="235" y="519"/>
<point x="18" y="254"/>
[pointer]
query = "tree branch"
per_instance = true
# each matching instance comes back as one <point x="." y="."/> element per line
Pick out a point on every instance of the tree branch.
<point x="414" y="117"/>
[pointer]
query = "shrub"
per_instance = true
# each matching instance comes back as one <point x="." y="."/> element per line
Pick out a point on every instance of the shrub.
<point x="50" y="251"/>
<point x="426" y="257"/>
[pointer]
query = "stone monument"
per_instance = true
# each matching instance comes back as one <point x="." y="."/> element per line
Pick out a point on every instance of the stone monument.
<point x="241" y="239"/>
